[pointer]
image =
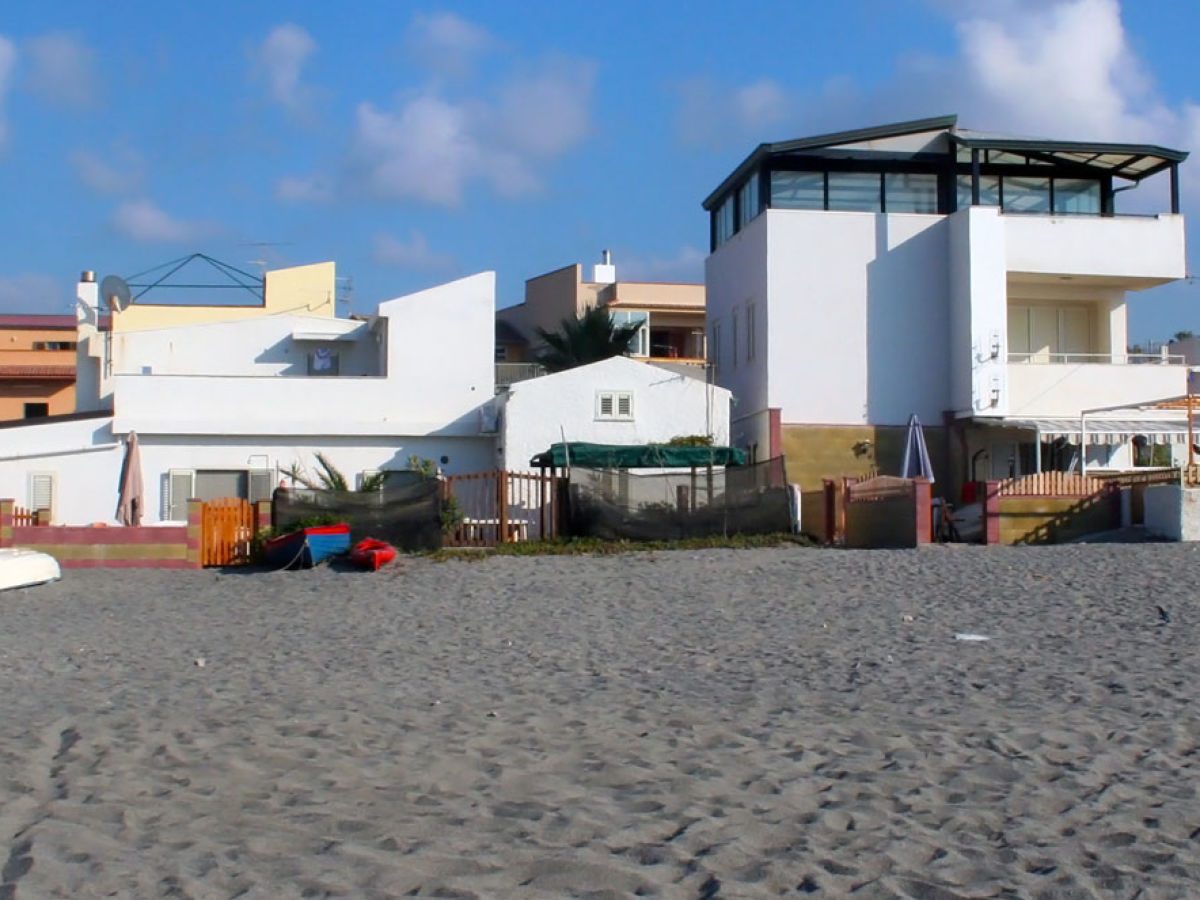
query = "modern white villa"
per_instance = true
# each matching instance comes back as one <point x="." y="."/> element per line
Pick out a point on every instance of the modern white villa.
<point x="976" y="280"/>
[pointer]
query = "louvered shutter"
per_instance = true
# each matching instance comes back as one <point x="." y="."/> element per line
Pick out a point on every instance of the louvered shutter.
<point x="41" y="491"/>
<point x="179" y="491"/>
<point x="262" y="484"/>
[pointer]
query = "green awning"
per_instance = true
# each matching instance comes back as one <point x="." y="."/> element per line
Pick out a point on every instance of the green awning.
<point x="637" y="456"/>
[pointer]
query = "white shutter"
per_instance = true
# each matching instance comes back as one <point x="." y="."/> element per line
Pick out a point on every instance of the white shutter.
<point x="625" y="406"/>
<point x="606" y="405"/>
<point x="41" y="491"/>
<point x="180" y="487"/>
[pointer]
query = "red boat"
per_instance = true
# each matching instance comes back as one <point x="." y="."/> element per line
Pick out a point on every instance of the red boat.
<point x="370" y="554"/>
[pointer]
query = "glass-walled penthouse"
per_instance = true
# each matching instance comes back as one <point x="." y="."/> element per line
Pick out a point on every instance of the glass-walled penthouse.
<point x="930" y="167"/>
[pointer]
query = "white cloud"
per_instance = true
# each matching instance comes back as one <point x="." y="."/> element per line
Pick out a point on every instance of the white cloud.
<point x="8" y="60"/>
<point x="34" y="293"/>
<point x="710" y="114"/>
<point x="447" y="43"/>
<point x="62" y="69"/>
<point x="124" y="173"/>
<point x="280" y="59"/>
<point x="415" y="253"/>
<point x="311" y="189"/>
<point x="144" y="221"/>
<point x="1051" y="68"/>
<point x="686" y="266"/>
<point x="431" y="148"/>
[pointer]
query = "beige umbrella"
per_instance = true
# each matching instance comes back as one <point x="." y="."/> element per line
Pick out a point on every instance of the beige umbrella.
<point x="133" y="495"/>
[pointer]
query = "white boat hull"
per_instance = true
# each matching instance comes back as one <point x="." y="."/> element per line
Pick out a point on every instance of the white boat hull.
<point x="21" y="568"/>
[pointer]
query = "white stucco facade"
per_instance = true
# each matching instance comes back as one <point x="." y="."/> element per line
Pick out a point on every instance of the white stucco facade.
<point x="536" y="413"/>
<point x="242" y="400"/>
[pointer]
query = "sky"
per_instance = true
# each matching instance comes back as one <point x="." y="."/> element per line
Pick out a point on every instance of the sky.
<point x="415" y="143"/>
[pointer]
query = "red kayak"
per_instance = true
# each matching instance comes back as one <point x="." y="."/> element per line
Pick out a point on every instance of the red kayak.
<point x="371" y="554"/>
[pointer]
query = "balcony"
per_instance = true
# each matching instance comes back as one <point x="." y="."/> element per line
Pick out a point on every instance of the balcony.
<point x="1134" y="251"/>
<point x="1065" y="384"/>
<point x="508" y="373"/>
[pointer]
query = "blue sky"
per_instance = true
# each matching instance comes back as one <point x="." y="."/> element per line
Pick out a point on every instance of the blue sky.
<point x="416" y="143"/>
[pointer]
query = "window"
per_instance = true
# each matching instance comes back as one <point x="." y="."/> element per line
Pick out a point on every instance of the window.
<point x="724" y="222"/>
<point x="53" y="345"/>
<point x="798" y="190"/>
<point x="910" y="192"/>
<point x="989" y="191"/>
<point x="1025" y="195"/>
<point x="733" y="338"/>
<point x="501" y="353"/>
<point x="639" y="344"/>
<point x="614" y="405"/>
<point x="748" y="200"/>
<point x="181" y="485"/>
<point x="854" y="191"/>
<point x="42" y="491"/>
<point x="750" y="330"/>
<point x="1077" y="195"/>
<point x="1050" y="334"/>
<point x="36" y="410"/>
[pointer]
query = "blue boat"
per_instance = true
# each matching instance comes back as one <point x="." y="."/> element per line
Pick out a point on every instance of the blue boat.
<point x="305" y="547"/>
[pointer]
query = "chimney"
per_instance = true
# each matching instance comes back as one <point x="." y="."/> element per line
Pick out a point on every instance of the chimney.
<point x="604" y="272"/>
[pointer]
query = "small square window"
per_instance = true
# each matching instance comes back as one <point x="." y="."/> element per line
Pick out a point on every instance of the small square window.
<point x="614" y="405"/>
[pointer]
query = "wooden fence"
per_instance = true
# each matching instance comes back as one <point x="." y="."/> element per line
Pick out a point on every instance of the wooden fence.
<point x="501" y="507"/>
<point x="1051" y="484"/>
<point x="24" y="517"/>
<point x="227" y="526"/>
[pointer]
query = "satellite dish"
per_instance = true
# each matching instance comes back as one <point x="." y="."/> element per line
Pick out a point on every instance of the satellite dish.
<point x="114" y="289"/>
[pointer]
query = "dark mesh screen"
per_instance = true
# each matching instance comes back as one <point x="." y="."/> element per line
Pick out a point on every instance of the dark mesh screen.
<point x="406" y="513"/>
<point x="617" y="504"/>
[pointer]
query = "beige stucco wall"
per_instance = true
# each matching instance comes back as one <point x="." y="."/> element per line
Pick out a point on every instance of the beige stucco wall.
<point x="816" y="452"/>
<point x="307" y="290"/>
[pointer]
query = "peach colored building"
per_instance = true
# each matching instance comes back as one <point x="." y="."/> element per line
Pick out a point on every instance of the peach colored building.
<point x="37" y="365"/>
<point x="671" y="315"/>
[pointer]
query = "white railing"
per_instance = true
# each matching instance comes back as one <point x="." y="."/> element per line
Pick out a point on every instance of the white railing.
<point x="1116" y="359"/>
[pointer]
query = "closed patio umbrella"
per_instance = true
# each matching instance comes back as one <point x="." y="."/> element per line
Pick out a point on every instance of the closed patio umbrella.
<point x="916" y="454"/>
<point x="132" y="497"/>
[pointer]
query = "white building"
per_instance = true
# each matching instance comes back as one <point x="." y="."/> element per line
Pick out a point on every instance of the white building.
<point x="976" y="280"/>
<point x="222" y="408"/>
<point x="616" y="401"/>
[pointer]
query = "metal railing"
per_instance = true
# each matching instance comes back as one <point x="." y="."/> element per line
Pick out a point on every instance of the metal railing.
<point x="511" y="372"/>
<point x="1108" y="359"/>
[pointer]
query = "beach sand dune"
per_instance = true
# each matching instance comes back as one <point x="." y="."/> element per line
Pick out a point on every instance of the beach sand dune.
<point x="691" y="724"/>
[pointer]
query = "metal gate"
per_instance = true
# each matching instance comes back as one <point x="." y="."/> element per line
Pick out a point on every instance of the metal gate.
<point x="227" y="525"/>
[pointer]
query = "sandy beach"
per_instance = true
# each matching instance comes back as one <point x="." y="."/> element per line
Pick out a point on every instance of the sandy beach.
<point x="691" y="724"/>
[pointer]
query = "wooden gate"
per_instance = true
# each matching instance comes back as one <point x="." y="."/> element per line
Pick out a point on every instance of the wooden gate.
<point x="227" y="526"/>
<point x="489" y="508"/>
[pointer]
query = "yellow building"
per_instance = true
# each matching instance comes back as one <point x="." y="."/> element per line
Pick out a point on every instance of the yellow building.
<point x="301" y="290"/>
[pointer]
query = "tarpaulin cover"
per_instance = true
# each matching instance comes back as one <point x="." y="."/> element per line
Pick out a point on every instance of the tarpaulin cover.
<point x="637" y="456"/>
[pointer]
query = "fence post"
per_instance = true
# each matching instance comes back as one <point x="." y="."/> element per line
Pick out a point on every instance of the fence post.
<point x="923" y="512"/>
<point x="991" y="512"/>
<point x="6" y="522"/>
<point x="502" y="505"/>
<point x="195" y="533"/>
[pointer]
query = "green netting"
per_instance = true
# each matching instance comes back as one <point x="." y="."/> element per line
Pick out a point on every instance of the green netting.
<point x="637" y="456"/>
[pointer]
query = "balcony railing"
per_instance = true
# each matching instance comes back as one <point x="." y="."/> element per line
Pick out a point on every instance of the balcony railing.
<point x="511" y="372"/>
<point x="1115" y="359"/>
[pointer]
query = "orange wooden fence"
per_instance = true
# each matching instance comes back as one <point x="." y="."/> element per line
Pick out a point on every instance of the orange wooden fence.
<point x="1051" y="484"/>
<point x="23" y="516"/>
<point x="227" y="525"/>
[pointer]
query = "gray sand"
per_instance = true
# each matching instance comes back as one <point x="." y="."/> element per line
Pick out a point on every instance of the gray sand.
<point x="690" y="724"/>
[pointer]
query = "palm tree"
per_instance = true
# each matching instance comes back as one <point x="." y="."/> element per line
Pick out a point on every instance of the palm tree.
<point x="330" y="478"/>
<point x="590" y="338"/>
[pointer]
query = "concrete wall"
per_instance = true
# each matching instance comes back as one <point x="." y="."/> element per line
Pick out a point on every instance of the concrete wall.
<point x="1140" y="249"/>
<point x="1054" y="520"/>
<point x="736" y="274"/>
<point x="814" y="453"/>
<point x="859" y="316"/>
<point x="304" y="290"/>
<point x="538" y="412"/>
<point x="262" y="346"/>
<point x="1172" y="512"/>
